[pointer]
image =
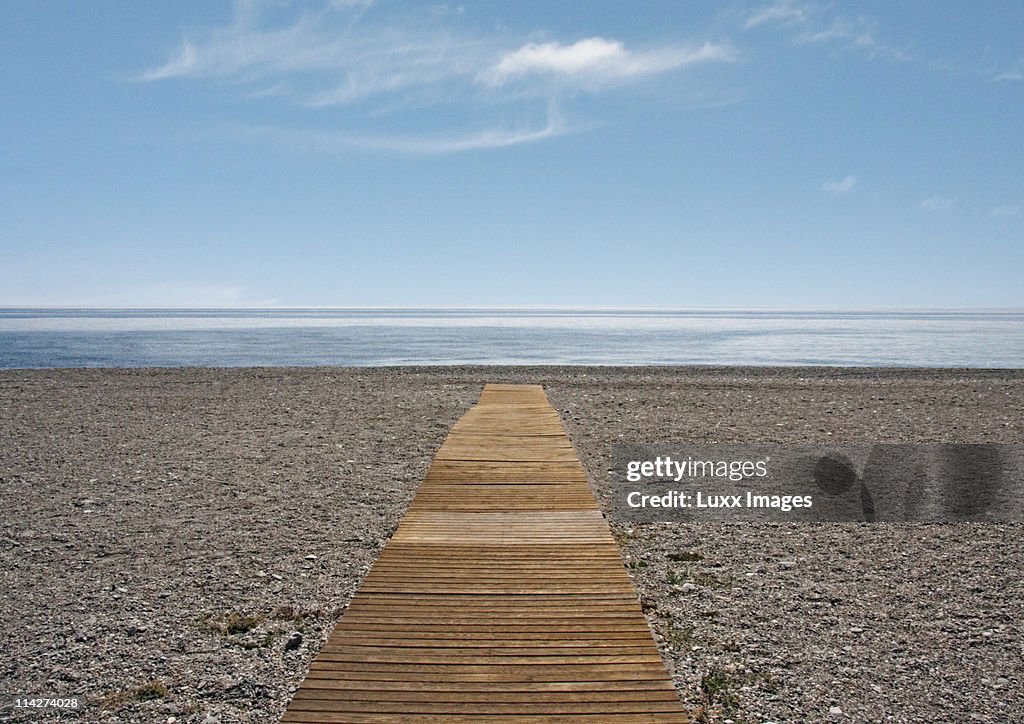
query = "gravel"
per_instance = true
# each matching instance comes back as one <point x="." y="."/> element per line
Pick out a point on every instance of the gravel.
<point x="179" y="543"/>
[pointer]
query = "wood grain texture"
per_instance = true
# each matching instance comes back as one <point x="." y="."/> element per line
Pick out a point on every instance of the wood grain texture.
<point x="500" y="598"/>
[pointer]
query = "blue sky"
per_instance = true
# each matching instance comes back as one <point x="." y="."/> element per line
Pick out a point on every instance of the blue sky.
<point x="350" y="153"/>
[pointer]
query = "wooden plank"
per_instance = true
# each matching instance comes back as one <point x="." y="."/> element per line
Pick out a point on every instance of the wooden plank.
<point x="484" y="697"/>
<point x="491" y="686"/>
<point x="501" y="596"/>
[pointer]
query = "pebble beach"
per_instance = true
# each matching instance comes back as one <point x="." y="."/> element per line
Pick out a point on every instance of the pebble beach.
<point x="176" y="544"/>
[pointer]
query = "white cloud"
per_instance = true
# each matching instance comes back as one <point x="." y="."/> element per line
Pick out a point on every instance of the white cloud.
<point x="811" y="24"/>
<point x="1008" y="210"/>
<point x="185" y="62"/>
<point x="330" y="65"/>
<point x="597" y="59"/>
<point x="937" y="203"/>
<point x="324" y="61"/>
<point x="352" y="53"/>
<point x="316" y="141"/>
<point x="455" y="143"/>
<point x="859" y="35"/>
<point x="490" y="138"/>
<point x="346" y="4"/>
<point x="843" y="186"/>
<point x="1014" y="73"/>
<point x="786" y="12"/>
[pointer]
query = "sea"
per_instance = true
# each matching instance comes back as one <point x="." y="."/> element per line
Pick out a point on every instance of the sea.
<point x="52" y="338"/>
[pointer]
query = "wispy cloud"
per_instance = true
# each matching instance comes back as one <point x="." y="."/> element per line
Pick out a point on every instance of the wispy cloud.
<point x="322" y="61"/>
<point x="858" y="35"/>
<point x="937" y="203"/>
<point x="330" y="141"/>
<point x="813" y="24"/>
<point x="343" y="55"/>
<point x="597" y="60"/>
<point x="784" y="12"/>
<point x="821" y="24"/>
<point x="1011" y="73"/>
<point x="844" y="185"/>
<point x="1008" y="210"/>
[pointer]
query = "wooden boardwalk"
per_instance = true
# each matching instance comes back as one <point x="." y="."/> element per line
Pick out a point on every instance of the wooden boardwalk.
<point x="501" y="596"/>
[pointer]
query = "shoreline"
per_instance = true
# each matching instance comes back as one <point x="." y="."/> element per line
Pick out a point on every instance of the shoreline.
<point x="517" y="370"/>
<point x="177" y="525"/>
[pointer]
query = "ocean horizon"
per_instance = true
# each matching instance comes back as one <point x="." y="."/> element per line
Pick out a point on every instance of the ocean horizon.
<point x="57" y="337"/>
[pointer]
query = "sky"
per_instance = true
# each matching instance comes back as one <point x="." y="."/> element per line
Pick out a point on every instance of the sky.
<point x="520" y="153"/>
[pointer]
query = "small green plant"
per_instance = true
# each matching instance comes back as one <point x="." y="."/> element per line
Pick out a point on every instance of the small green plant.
<point x="237" y="623"/>
<point x="263" y="643"/>
<point x="709" y="580"/>
<point x="232" y="623"/>
<point x="154" y="689"/>
<point x="685" y="557"/>
<point x="622" y="537"/>
<point x="717" y="687"/>
<point x="679" y="637"/>
<point x="675" y="577"/>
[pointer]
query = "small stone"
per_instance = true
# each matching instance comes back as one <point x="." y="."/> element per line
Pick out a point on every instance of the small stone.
<point x="689" y="588"/>
<point x="211" y="719"/>
<point x="294" y="641"/>
<point x="311" y="557"/>
<point x="787" y="564"/>
<point x="835" y="711"/>
<point x="856" y="629"/>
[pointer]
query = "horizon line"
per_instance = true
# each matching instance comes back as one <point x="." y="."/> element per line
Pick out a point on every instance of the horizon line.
<point x="509" y="307"/>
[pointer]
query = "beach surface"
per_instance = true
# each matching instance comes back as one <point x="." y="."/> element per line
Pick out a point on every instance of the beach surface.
<point x="178" y="543"/>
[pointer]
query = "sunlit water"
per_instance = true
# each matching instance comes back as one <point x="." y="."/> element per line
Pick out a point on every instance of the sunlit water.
<point x="360" y="337"/>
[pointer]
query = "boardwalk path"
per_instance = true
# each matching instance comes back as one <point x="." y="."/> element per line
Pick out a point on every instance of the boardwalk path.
<point x="501" y="596"/>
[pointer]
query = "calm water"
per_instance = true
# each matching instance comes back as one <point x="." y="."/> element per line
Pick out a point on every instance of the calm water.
<point x="223" y="338"/>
